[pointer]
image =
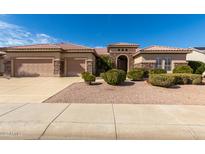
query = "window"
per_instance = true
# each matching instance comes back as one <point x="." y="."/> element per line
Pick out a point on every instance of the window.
<point x="118" y="49"/>
<point x="158" y="63"/>
<point x="167" y="64"/>
<point x="122" y="49"/>
<point x="125" y="49"/>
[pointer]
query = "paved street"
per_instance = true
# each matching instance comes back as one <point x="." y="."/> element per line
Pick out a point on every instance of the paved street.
<point x="32" y="90"/>
<point x="101" y="121"/>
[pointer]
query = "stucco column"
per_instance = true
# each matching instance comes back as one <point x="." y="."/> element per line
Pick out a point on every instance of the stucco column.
<point x="163" y="64"/>
<point x="57" y="67"/>
<point x="7" y="67"/>
<point x="89" y="65"/>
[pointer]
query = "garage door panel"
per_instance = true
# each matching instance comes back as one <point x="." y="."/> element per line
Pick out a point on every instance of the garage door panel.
<point x="75" y="66"/>
<point x="33" y="67"/>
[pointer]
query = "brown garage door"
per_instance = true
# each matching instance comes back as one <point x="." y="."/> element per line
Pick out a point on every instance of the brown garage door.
<point x="75" y="66"/>
<point x="33" y="67"/>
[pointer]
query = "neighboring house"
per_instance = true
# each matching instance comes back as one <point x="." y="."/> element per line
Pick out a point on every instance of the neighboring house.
<point x="70" y="59"/>
<point x="197" y="54"/>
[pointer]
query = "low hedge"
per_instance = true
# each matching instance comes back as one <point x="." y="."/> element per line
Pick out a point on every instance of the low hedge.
<point x="136" y="74"/>
<point x="114" y="76"/>
<point x="157" y="71"/>
<point x="88" y="77"/>
<point x="162" y="80"/>
<point x="168" y="80"/>
<point x="182" y="69"/>
<point x="187" y="78"/>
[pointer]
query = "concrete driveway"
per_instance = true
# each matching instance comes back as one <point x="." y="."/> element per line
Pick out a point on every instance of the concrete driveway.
<point x="32" y="90"/>
<point x="101" y="121"/>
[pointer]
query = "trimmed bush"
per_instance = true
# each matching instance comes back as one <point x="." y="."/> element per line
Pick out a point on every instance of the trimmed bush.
<point x="168" y="80"/>
<point x="183" y="69"/>
<point x="114" y="76"/>
<point x="157" y="71"/>
<point x="195" y="65"/>
<point x="136" y="74"/>
<point x="201" y="69"/>
<point x="88" y="77"/>
<point x="187" y="78"/>
<point x="162" y="80"/>
<point x="197" y="81"/>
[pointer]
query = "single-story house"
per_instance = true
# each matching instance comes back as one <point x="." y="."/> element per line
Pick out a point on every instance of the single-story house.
<point x="66" y="59"/>
<point x="127" y="56"/>
<point x="197" y="54"/>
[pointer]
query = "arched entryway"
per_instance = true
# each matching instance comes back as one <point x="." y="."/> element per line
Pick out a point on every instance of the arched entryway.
<point x="122" y="62"/>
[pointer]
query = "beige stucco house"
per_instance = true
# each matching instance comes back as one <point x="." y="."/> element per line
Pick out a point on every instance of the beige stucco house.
<point x="66" y="59"/>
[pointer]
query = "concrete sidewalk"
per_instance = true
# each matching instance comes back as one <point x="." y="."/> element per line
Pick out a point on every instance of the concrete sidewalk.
<point x="101" y="121"/>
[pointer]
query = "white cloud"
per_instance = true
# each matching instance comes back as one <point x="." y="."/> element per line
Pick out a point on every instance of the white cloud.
<point x="11" y="35"/>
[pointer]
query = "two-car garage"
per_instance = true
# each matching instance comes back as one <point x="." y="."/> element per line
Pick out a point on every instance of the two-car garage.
<point x="45" y="67"/>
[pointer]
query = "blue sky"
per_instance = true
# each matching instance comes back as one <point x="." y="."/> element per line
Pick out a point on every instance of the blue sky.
<point x="100" y="30"/>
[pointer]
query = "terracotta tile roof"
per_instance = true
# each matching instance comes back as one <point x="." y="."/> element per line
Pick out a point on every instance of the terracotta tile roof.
<point x="37" y="46"/>
<point x="63" y="46"/>
<point x="101" y="51"/>
<point x="68" y="46"/>
<point x="163" y="49"/>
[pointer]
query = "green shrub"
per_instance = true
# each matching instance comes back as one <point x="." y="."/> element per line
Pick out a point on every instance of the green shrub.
<point x="187" y="78"/>
<point x="183" y="69"/>
<point x="162" y="80"/>
<point x="136" y="74"/>
<point x="114" y="76"/>
<point x="197" y="81"/>
<point x="195" y="65"/>
<point x="88" y="77"/>
<point x="157" y="71"/>
<point x="201" y="69"/>
<point x="166" y="80"/>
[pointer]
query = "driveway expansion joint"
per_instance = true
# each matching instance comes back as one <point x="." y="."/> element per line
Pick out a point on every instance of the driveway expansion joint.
<point x="53" y="121"/>
<point x="113" y="111"/>
<point x="13" y="110"/>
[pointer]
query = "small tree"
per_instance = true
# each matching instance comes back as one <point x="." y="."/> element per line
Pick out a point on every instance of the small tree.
<point x="104" y="63"/>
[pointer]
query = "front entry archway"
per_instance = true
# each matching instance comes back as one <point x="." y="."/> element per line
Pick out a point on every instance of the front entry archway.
<point x="122" y="62"/>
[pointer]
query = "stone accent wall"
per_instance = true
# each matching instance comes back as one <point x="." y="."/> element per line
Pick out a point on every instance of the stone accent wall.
<point x="57" y="67"/>
<point x="62" y="66"/>
<point x="7" y="65"/>
<point x="130" y="59"/>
